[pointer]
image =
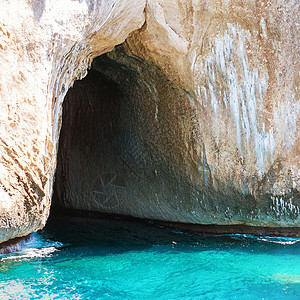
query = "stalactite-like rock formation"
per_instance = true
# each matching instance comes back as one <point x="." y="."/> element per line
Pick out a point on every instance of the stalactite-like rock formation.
<point x="193" y="118"/>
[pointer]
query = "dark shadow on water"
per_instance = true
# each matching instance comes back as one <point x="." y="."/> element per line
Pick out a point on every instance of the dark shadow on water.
<point x="107" y="236"/>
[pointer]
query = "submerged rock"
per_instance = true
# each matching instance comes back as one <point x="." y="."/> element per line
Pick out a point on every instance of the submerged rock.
<point x="193" y="119"/>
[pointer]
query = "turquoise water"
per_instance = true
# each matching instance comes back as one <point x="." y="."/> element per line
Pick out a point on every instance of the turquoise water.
<point x="80" y="258"/>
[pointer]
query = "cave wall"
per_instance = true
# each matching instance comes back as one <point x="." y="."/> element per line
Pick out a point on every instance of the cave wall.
<point x="239" y="60"/>
<point x="44" y="47"/>
<point x="132" y="143"/>
<point x="126" y="149"/>
<point x="235" y="61"/>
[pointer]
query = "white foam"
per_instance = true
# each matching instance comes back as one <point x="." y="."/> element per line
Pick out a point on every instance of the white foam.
<point x="32" y="253"/>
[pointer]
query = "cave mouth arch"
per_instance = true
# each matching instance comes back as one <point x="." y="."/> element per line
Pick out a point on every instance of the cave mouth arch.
<point x="130" y="145"/>
<point x="122" y="142"/>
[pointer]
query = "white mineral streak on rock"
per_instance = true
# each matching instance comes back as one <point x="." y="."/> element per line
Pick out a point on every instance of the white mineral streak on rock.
<point x="263" y="27"/>
<point x="153" y="92"/>
<point x="242" y="72"/>
<point x="286" y="117"/>
<point x="240" y="60"/>
<point x="244" y="89"/>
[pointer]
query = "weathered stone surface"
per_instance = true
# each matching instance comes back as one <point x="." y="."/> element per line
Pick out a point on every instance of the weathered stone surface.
<point x="223" y="89"/>
<point x="44" y="47"/>
<point x="240" y="62"/>
<point x="131" y="143"/>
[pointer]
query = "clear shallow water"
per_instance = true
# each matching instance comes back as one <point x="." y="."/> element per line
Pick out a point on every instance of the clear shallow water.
<point x="80" y="258"/>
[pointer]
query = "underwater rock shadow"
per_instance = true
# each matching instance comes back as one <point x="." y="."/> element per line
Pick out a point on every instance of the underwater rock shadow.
<point x="117" y="236"/>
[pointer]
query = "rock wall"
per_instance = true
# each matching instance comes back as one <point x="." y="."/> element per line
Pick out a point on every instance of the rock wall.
<point x="44" y="47"/>
<point x="132" y="143"/>
<point x="240" y="62"/>
<point x="232" y="76"/>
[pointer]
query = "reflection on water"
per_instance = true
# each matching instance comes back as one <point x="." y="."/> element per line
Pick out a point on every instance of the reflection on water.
<point x="80" y="258"/>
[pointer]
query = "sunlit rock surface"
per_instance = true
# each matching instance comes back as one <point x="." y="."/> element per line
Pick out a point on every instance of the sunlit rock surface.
<point x="214" y="117"/>
<point x="44" y="47"/>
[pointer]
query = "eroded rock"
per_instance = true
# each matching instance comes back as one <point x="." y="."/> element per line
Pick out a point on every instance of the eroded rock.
<point x="132" y="143"/>
<point x="44" y="48"/>
<point x="223" y="76"/>
<point x="240" y="65"/>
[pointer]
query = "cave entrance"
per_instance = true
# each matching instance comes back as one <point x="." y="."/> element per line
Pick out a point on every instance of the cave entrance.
<point x="90" y="173"/>
<point x="121" y="142"/>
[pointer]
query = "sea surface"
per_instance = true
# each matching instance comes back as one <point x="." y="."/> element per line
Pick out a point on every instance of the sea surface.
<point x="84" y="258"/>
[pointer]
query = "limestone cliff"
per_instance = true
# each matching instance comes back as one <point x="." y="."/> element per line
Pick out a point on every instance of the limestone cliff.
<point x="213" y="87"/>
<point x="44" y="47"/>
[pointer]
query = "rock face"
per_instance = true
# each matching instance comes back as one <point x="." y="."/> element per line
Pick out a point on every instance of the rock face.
<point x="44" y="47"/>
<point x="193" y="119"/>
